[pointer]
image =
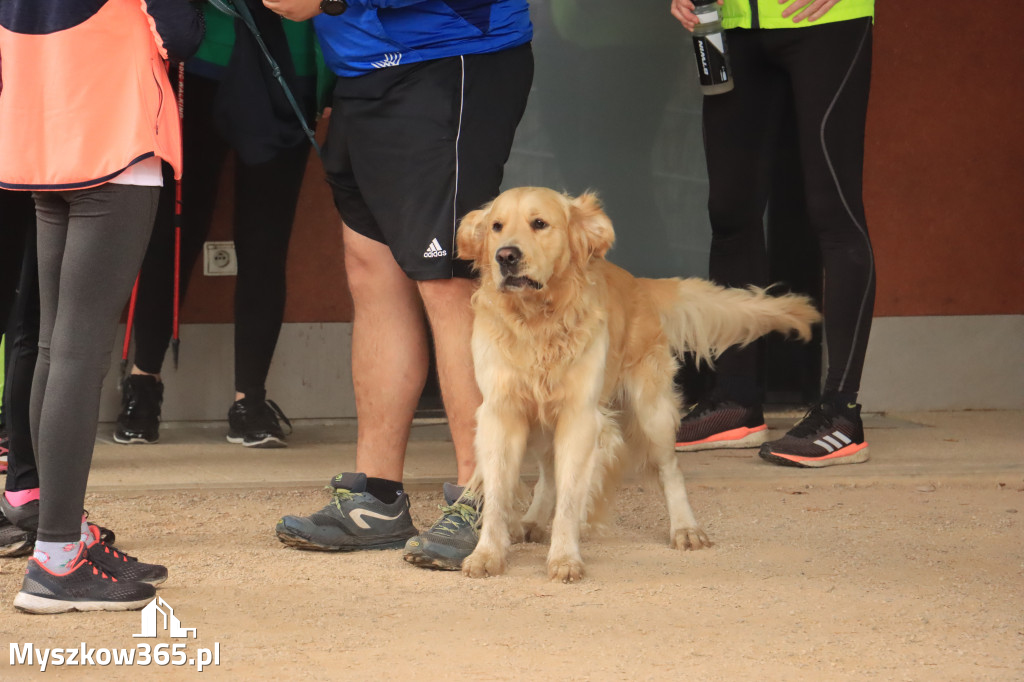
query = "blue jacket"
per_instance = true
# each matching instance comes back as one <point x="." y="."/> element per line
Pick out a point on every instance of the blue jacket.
<point x="374" y="34"/>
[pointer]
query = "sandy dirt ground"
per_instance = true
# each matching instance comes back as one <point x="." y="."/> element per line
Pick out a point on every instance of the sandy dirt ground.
<point x="842" y="581"/>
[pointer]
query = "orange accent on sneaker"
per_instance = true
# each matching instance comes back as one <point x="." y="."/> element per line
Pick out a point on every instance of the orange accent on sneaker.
<point x="730" y="435"/>
<point x="848" y="451"/>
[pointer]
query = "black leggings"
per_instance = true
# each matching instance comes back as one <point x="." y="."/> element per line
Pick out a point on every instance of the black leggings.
<point x="90" y="243"/>
<point x="826" y="71"/>
<point x="266" y="196"/>
<point x="22" y="350"/>
<point x="19" y="309"/>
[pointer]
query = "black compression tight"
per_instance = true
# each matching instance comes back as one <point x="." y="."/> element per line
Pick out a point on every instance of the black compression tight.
<point x="825" y="70"/>
<point x="90" y="243"/>
<point x="266" y="195"/>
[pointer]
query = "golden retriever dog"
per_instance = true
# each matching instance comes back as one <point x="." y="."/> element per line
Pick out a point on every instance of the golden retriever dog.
<point x="576" y="359"/>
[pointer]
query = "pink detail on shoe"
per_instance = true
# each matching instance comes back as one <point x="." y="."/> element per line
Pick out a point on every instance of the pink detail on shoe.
<point x="20" y="497"/>
<point x="93" y="535"/>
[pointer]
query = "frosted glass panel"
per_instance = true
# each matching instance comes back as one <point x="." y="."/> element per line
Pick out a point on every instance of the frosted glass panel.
<point x="615" y="108"/>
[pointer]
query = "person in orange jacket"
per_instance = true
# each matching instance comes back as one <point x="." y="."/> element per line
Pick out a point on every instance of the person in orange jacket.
<point x="87" y="116"/>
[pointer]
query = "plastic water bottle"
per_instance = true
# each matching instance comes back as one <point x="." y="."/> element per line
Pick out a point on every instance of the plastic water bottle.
<point x="709" y="46"/>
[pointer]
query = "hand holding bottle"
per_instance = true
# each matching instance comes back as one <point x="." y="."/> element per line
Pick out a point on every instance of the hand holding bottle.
<point x="683" y="10"/>
<point x="812" y="10"/>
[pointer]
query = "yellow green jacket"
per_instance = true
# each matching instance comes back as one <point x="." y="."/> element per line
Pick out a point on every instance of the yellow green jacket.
<point x="768" y="13"/>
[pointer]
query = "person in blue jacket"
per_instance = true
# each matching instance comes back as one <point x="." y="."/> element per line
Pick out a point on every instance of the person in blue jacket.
<point x="428" y="99"/>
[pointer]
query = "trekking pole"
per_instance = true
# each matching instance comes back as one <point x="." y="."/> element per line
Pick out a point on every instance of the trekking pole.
<point x="175" y="340"/>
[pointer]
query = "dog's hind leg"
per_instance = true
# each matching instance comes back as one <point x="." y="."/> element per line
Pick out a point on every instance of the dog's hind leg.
<point x="542" y="506"/>
<point x="655" y="424"/>
<point x="500" y="445"/>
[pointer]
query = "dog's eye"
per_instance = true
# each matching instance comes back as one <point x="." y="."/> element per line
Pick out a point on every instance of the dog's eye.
<point x="497" y="227"/>
<point x="538" y="224"/>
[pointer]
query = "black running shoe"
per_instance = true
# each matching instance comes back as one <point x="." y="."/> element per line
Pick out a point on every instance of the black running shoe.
<point x="26" y="517"/>
<point x="139" y="421"/>
<point x="452" y="538"/>
<point x="826" y="435"/>
<point x="353" y="520"/>
<point x="85" y="588"/>
<point x="13" y="540"/>
<point x="257" y="424"/>
<point x="118" y="565"/>
<point x="713" y="424"/>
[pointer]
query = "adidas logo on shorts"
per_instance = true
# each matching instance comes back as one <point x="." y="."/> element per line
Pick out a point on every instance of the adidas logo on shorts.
<point x="434" y="250"/>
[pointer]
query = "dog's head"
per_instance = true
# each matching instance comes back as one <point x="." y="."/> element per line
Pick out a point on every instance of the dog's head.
<point x="529" y="236"/>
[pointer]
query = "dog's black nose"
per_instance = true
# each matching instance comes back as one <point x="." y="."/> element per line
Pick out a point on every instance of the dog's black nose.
<point x="508" y="258"/>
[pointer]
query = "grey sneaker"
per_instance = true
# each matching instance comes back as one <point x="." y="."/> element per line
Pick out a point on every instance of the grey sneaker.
<point x="452" y="538"/>
<point x="18" y="527"/>
<point x="85" y="588"/>
<point x="353" y="520"/>
<point x="13" y="540"/>
<point x="25" y="516"/>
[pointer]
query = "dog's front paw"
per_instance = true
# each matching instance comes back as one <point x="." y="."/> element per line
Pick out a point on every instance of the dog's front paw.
<point x="482" y="563"/>
<point x="690" y="538"/>
<point x="534" y="533"/>
<point x="567" y="570"/>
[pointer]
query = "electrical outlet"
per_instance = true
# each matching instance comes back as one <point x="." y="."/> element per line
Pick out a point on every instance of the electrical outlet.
<point x="219" y="259"/>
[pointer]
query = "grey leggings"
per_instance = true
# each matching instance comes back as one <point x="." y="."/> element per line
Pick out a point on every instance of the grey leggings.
<point x="91" y="243"/>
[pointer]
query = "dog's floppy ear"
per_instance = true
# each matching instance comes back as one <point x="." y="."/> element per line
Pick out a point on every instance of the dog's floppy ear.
<point x="590" y="228"/>
<point x="470" y="236"/>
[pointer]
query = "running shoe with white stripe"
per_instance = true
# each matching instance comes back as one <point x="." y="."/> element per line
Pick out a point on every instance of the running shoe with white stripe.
<point x="353" y="520"/>
<point x="713" y="424"/>
<point x="826" y="435"/>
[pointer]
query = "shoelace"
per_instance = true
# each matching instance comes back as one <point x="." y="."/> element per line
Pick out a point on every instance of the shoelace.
<point x="278" y="414"/>
<point x="454" y="517"/>
<point x="339" y="495"/>
<point x="114" y="552"/>
<point x="815" y="419"/>
<point x="95" y="570"/>
<point x="702" y="408"/>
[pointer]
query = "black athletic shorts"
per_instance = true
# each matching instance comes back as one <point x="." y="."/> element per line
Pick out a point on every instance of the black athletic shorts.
<point x="413" y="148"/>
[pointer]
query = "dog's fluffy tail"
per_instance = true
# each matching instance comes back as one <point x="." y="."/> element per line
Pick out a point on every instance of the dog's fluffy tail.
<point x="703" y="318"/>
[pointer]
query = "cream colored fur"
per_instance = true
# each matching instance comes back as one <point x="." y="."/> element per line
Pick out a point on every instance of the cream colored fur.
<point x="576" y="358"/>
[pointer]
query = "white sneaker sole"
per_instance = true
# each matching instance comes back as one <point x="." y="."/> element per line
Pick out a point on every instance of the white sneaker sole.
<point x="268" y="442"/>
<point x="32" y="603"/>
<point x="134" y="441"/>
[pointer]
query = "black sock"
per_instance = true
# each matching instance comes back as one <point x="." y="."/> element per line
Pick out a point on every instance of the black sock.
<point x="384" y="490"/>
<point x="840" y="399"/>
